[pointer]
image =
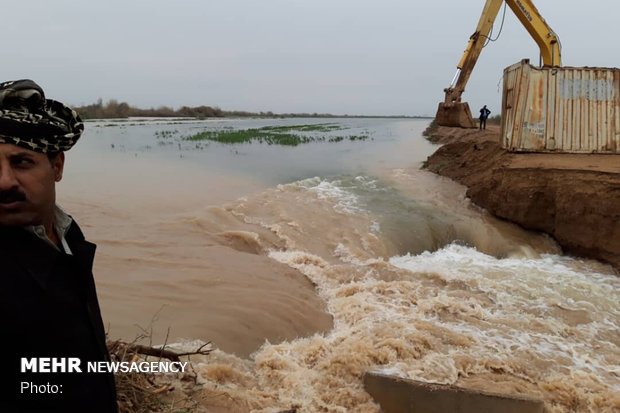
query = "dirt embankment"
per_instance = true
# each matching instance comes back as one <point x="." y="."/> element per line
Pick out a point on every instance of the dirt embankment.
<point x="574" y="198"/>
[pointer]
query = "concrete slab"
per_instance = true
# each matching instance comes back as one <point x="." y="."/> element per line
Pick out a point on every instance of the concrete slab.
<point x="397" y="395"/>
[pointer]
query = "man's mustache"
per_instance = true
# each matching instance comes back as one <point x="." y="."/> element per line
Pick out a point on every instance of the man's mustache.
<point x="14" y="195"/>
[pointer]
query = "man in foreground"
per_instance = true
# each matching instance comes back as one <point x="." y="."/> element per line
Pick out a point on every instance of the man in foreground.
<point x="50" y="314"/>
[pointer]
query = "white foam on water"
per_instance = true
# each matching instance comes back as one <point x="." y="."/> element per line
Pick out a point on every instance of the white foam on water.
<point x="525" y="292"/>
<point x="545" y="324"/>
<point x="339" y="191"/>
<point x="439" y="317"/>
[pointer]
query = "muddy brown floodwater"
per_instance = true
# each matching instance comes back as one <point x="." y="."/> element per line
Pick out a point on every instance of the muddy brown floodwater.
<point x="308" y="266"/>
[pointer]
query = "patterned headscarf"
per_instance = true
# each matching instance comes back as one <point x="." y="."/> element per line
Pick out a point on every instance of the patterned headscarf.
<point x="30" y="121"/>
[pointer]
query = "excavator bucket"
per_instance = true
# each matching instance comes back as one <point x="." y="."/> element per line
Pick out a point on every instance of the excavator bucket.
<point x="454" y="114"/>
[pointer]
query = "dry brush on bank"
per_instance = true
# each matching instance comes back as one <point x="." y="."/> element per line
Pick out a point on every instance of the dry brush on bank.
<point x="154" y="392"/>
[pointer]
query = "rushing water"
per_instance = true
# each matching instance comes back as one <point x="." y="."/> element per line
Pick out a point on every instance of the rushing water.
<point x="346" y="258"/>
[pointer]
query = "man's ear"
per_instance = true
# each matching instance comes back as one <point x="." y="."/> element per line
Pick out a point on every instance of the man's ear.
<point x="58" y="164"/>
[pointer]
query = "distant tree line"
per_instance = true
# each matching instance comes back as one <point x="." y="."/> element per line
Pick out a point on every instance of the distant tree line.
<point x="497" y="119"/>
<point x="115" y="109"/>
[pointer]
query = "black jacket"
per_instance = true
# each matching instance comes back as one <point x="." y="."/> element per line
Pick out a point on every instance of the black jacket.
<point x="49" y="308"/>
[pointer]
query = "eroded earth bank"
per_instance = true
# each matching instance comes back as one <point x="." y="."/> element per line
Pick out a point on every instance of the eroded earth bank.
<point x="573" y="198"/>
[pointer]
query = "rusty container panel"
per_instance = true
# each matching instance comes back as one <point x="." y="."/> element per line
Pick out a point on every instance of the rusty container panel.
<point x="561" y="109"/>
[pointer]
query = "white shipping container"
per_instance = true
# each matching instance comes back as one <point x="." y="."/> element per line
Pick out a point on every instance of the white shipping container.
<point x="561" y="109"/>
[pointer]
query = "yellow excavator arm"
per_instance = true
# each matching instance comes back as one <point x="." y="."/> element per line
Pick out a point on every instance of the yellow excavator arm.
<point x="453" y="112"/>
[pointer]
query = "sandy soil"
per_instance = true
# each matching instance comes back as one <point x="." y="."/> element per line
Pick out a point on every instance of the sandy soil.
<point x="573" y="198"/>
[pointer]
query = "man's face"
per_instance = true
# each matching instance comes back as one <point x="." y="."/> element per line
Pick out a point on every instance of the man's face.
<point x="27" y="186"/>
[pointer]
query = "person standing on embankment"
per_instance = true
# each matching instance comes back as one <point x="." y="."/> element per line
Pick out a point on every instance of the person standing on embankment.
<point x="484" y="114"/>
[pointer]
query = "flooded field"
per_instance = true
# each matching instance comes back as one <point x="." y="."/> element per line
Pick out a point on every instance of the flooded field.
<point x="307" y="265"/>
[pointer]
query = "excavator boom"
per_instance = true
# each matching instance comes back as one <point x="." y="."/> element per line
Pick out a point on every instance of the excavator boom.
<point x="453" y="112"/>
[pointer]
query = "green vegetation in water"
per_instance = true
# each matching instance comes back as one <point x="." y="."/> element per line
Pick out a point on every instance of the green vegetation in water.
<point x="321" y="127"/>
<point x="163" y="134"/>
<point x="276" y="135"/>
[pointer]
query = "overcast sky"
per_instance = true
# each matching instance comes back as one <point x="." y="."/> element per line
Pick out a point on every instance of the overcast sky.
<point x="383" y="57"/>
